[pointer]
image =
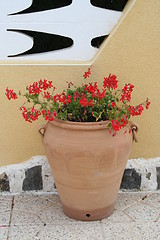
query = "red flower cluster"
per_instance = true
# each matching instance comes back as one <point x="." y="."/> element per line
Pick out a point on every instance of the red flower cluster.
<point x="135" y="111"/>
<point x="94" y="91"/>
<point x="118" y="124"/>
<point x="113" y="104"/>
<point x="30" y="116"/>
<point x="47" y="95"/>
<point x="76" y="96"/>
<point x="10" y="94"/>
<point x="62" y="98"/>
<point x="87" y="74"/>
<point x="37" y="87"/>
<point x="34" y="114"/>
<point x="110" y="82"/>
<point x="47" y="115"/>
<point x="126" y="92"/>
<point x="25" y="114"/>
<point x="84" y="102"/>
<point x="90" y="88"/>
<point x="100" y="95"/>
<point x="147" y="103"/>
<point x="70" y="84"/>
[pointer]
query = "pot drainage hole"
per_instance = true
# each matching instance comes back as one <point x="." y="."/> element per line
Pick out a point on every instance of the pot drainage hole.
<point x="88" y="215"/>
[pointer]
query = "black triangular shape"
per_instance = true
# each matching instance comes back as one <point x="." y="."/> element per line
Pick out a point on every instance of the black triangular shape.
<point x="117" y="5"/>
<point x="43" y="5"/>
<point x="43" y="42"/>
<point x="96" y="42"/>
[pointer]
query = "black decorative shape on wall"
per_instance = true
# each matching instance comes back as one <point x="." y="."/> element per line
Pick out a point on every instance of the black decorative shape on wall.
<point x="117" y="5"/>
<point x="43" y="42"/>
<point x="33" y="179"/>
<point x="96" y="42"/>
<point x="158" y="177"/>
<point x="131" y="179"/>
<point x="43" y="5"/>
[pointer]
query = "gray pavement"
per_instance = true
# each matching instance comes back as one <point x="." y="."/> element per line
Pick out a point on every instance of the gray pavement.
<point x="40" y="217"/>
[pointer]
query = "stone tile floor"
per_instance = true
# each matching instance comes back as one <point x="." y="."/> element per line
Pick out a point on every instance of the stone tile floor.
<point x="40" y="217"/>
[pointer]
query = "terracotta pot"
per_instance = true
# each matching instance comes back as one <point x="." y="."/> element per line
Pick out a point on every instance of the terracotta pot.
<point x="87" y="164"/>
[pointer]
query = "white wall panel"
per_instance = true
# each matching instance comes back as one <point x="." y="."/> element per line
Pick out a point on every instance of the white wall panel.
<point x="79" y="21"/>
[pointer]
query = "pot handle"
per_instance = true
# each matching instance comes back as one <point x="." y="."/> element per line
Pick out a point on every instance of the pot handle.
<point x="134" y="129"/>
<point x="41" y="131"/>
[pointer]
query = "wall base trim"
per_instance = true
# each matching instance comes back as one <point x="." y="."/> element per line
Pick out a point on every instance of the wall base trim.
<point x="35" y="175"/>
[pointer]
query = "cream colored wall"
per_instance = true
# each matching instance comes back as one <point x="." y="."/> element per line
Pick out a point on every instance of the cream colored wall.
<point x="20" y="140"/>
<point x="131" y="52"/>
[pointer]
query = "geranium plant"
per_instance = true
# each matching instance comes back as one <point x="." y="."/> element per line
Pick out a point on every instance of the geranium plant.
<point x="86" y="103"/>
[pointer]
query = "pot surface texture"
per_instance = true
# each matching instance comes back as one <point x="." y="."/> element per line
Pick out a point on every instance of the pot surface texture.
<point x="87" y="164"/>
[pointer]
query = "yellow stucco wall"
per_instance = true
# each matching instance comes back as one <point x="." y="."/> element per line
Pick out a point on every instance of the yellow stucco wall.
<point x="132" y="52"/>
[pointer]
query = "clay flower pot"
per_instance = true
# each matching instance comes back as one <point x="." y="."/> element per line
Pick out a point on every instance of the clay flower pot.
<point x="87" y="164"/>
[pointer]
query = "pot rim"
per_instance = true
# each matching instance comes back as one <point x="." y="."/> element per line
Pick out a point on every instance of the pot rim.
<point x="81" y="125"/>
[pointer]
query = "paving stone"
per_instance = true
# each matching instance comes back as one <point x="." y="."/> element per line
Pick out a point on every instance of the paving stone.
<point x="58" y="232"/>
<point x="146" y="231"/>
<point x="4" y="183"/>
<point x="33" y="179"/>
<point x="74" y="231"/>
<point x="24" y="232"/>
<point x="25" y="218"/>
<point x="142" y="212"/>
<point x="3" y="233"/>
<point x="128" y="199"/>
<point x="116" y="231"/>
<point x="5" y="202"/>
<point x="5" y="211"/>
<point x="4" y="218"/>
<point x="41" y="218"/>
<point x="132" y="231"/>
<point x="88" y="230"/>
<point x="54" y="232"/>
<point x="54" y="214"/>
<point x="35" y="202"/>
<point x="131" y="179"/>
<point x="152" y="199"/>
<point x="37" y="210"/>
<point x="117" y="216"/>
